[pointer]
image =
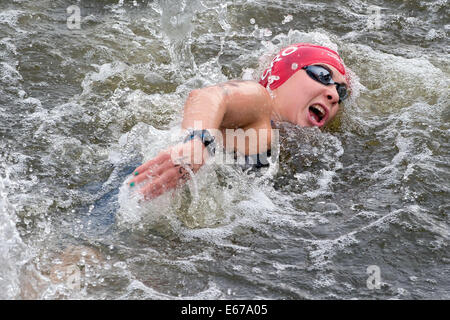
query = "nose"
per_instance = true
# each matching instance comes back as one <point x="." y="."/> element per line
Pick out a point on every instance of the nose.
<point x="332" y="94"/>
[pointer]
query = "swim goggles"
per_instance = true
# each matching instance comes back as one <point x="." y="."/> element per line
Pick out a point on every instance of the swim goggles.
<point x="324" y="76"/>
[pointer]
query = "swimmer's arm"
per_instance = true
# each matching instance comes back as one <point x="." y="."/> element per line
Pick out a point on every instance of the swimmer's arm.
<point x="233" y="104"/>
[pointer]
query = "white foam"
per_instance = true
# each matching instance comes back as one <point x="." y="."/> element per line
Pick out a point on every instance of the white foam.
<point x="138" y="290"/>
<point x="9" y="46"/>
<point x="104" y="72"/>
<point x="13" y="252"/>
<point x="395" y="79"/>
<point x="10" y="17"/>
<point x="9" y="74"/>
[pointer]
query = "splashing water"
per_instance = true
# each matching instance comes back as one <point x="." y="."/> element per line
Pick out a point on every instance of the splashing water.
<point x="81" y="109"/>
<point x="13" y="252"/>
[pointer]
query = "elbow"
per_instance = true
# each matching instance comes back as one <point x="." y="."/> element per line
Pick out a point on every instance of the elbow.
<point x="212" y="95"/>
<point x="194" y="94"/>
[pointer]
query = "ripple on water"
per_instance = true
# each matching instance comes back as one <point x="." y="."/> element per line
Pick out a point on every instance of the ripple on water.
<point x="83" y="109"/>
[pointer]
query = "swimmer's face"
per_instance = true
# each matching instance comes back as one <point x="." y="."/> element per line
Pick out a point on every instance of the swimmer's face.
<point x="306" y="102"/>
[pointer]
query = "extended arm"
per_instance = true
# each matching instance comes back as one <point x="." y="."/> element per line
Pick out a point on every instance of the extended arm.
<point x="230" y="105"/>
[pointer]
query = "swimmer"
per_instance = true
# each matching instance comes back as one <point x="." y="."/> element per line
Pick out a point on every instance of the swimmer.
<point x="304" y="85"/>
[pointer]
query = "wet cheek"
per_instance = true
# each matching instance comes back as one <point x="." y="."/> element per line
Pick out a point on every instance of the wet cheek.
<point x="333" y="113"/>
<point x="301" y="117"/>
<point x="293" y="107"/>
<point x="296" y="113"/>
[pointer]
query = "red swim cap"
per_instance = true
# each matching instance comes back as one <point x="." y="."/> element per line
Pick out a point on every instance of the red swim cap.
<point x="294" y="58"/>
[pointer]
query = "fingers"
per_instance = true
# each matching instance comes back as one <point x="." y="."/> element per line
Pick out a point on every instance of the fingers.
<point x="184" y="174"/>
<point x="151" y="172"/>
<point x="166" y="171"/>
<point x="167" y="181"/>
<point x="159" y="159"/>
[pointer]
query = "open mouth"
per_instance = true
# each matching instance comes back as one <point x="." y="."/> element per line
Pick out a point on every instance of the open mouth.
<point x="318" y="114"/>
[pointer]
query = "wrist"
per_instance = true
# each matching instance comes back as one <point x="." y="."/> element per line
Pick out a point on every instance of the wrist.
<point x="205" y="137"/>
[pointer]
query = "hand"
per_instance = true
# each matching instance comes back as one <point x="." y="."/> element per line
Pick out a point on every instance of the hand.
<point x="169" y="169"/>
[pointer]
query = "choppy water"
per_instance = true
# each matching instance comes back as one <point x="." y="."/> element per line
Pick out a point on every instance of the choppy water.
<point x="81" y="108"/>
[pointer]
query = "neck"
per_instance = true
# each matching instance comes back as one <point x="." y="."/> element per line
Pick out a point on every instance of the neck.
<point x="276" y="115"/>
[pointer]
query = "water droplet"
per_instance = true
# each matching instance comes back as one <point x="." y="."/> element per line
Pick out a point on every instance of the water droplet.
<point x="252" y="21"/>
<point x="120" y="264"/>
<point x="287" y="19"/>
<point x="294" y="66"/>
<point x="267" y="33"/>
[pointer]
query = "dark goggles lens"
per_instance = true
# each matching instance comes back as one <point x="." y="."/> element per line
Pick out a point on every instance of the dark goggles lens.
<point x="322" y="75"/>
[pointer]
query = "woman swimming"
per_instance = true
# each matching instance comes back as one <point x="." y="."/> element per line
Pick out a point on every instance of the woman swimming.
<point x="304" y="85"/>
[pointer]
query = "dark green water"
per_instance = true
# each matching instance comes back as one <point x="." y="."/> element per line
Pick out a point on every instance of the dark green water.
<point x="81" y="108"/>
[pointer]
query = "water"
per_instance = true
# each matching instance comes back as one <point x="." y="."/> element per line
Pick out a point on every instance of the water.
<point x="81" y="108"/>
